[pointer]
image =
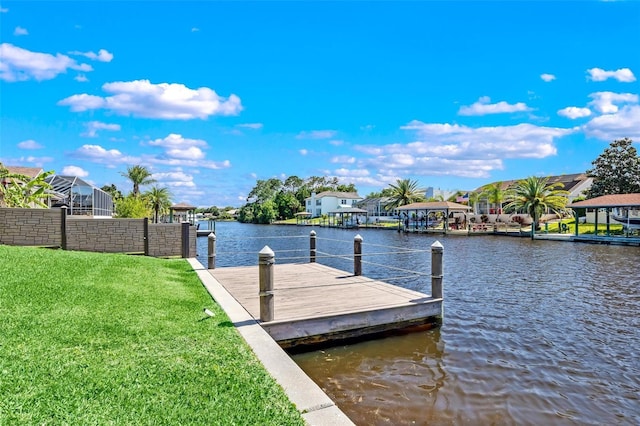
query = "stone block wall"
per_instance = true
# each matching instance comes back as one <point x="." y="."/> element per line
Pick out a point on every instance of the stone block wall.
<point x="165" y="239"/>
<point x="43" y="227"/>
<point x="30" y="227"/>
<point x="105" y="235"/>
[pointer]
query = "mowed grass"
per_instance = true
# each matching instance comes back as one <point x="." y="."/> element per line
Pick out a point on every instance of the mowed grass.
<point x="97" y="339"/>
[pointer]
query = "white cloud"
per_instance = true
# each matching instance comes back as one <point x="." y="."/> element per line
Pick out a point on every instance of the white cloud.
<point x="94" y="126"/>
<point x="142" y="98"/>
<point x="74" y="171"/>
<point x="195" y="29"/>
<point x="102" y="55"/>
<point x="20" y="64"/>
<point x="29" y="144"/>
<point x="574" y="112"/>
<point x="606" y="102"/>
<point x="303" y="152"/>
<point x="19" y="31"/>
<point x="623" y="123"/>
<point x="336" y="142"/>
<point x="179" y="162"/>
<point x="250" y="125"/>
<point x="175" y="179"/>
<point x="623" y="75"/>
<point x="84" y="102"/>
<point x="455" y="150"/>
<point x="483" y="107"/>
<point x="547" y="77"/>
<point x="176" y="141"/>
<point x="191" y="153"/>
<point x="342" y="159"/>
<point x="178" y="147"/>
<point x="81" y="78"/>
<point x="4" y="10"/>
<point x="98" y="154"/>
<point x="317" y="134"/>
<point x="35" y="161"/>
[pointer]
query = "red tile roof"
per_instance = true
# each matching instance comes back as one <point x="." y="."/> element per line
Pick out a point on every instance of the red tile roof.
<point x="614" y="200"/>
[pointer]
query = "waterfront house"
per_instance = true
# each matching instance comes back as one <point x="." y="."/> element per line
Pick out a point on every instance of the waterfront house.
<point x="327" y="201"/>
<point x="376" y="210"/>
<point x="576" y="184"/>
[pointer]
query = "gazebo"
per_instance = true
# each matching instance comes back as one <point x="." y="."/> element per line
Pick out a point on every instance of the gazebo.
<point x="182" y="212"/>
<point x="444" y="207"/>
<point x="349" y="212"/>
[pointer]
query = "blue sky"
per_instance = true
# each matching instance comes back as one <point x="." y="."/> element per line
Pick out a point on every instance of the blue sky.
<point x="212" y="96"/>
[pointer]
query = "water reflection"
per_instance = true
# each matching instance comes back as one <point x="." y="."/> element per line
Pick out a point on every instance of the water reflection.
<point x="408" y="371"/>
<point x="535" y="332"/>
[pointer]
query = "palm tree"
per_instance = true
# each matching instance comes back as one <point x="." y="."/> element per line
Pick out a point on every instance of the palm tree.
<point x="534" y="195"/>
<point x="404" y="192"/>
<point x="159" y="199"/>
<point x="139" y="175"/>
<point x="495" y="195"/>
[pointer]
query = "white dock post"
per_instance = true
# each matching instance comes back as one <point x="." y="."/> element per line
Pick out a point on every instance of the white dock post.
<point x="312" y="247"/>
<point x="266" y="260"/>
<point x="357" y="255"/>
<point x="211" y="251"/>
<point x="436" y="270"/>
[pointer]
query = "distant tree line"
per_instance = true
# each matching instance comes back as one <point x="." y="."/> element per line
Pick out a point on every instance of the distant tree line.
<point x="276" y="199"/>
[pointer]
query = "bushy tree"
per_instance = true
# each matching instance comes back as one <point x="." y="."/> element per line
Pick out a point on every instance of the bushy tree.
<point x="132" y="207"/>
<point x="616" y="170"/>
<point x="287" y="205"/>
<point x="112" y="190"/>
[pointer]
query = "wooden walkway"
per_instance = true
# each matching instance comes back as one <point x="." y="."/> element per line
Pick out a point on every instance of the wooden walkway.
<point x="316" y="303"/>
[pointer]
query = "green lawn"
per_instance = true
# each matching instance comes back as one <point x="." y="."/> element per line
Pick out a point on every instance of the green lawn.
<point x="585" y="228"/>
<point x="97" y="339"/>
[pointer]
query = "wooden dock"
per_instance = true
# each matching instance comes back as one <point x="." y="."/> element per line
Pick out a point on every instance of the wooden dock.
<point x="315" y="303"/>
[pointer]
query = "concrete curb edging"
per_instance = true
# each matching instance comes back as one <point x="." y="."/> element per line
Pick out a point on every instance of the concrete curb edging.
<point x="316" y="407"/>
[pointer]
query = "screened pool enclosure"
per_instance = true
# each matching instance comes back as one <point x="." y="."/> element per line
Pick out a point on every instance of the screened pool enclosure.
<point x="81" y="198"/>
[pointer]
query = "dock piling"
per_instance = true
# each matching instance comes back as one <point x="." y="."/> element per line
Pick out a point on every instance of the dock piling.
<point x="312" y="247"/>
<point x="357" y="255"/>
<point x="185" y="239"/>
<point x="266" y="260"/>
<point x="436" y="270"/>
<point x="211" y="251"/>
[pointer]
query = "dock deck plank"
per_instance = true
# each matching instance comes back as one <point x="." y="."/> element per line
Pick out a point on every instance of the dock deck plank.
<point x="313" y="298"/>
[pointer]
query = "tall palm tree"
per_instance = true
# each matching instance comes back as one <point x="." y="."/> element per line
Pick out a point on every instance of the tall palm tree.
<point x="495" y="195"/>
<point x="404" y="192"/>
<point x="138" y="175"/>
<point x="534" y="195"/>
<point x="159" y="199"/>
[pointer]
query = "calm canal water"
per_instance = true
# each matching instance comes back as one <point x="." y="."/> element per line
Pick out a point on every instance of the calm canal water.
<point x="535" y="332"/>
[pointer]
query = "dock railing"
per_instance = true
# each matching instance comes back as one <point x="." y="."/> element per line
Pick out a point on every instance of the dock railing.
<point x="267" y="260"/>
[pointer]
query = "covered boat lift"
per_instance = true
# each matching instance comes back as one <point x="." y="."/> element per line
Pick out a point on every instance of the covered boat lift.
<point x="422" y="212"/>
<point x="629" y="204"/>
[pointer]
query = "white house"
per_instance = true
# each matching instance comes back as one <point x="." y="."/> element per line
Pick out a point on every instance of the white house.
<point x="324" y="202"/>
